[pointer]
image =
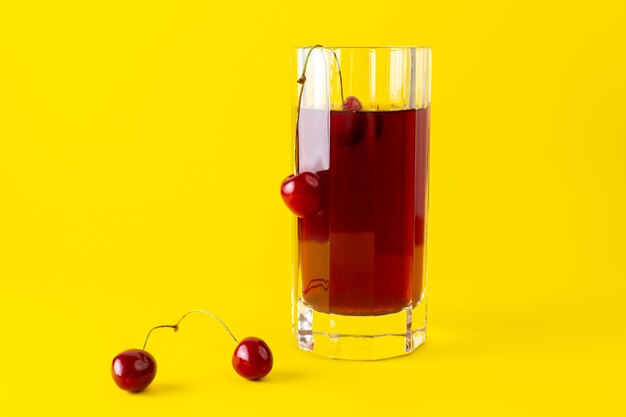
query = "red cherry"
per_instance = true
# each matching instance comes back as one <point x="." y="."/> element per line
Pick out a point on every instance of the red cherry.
<point x="352" y="103"/>
<point x="252" y="358"/>
<point x="302" y="193"/>
<point x="133" y="370"/>
<point x="349" y="127"/>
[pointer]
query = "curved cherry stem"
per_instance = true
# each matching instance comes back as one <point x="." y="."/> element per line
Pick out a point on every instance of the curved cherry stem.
<point x="301" y="81"/>
<point x="175" y="326"/>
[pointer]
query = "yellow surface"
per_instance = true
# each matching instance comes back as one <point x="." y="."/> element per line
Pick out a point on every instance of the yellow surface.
<point x="141" y="149"/>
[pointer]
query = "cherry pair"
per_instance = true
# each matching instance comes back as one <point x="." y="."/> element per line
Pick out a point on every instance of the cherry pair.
<point x="302" y="193"/>
<point x="134" y="369"/>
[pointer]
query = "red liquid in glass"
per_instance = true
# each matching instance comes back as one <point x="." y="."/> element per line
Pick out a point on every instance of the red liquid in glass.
<point x="363" y="252"/>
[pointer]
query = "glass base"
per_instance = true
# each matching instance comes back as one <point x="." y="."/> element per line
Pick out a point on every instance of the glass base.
<point x="360" y="337"/>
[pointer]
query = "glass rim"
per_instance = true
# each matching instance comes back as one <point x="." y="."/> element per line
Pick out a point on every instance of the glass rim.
<point x="390" y="47"/>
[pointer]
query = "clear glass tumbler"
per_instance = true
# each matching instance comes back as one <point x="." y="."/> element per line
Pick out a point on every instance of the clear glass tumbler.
<point x="360" y="192"/>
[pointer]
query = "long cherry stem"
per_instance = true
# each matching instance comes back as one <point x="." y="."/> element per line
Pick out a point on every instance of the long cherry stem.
<point x="301" y="81"/>
<point x="175" y="326"/>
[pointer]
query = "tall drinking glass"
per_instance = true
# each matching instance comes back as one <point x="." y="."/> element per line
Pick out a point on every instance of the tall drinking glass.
<point x="360" y="192"/>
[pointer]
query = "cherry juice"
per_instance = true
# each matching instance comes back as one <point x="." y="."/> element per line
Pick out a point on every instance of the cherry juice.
<point x="363" y="252"/>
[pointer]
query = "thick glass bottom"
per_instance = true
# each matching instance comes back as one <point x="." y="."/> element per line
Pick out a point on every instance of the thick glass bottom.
<point x="360" y="337"/>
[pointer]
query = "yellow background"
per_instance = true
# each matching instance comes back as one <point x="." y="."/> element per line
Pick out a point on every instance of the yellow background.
<point x="141" y="149"/>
